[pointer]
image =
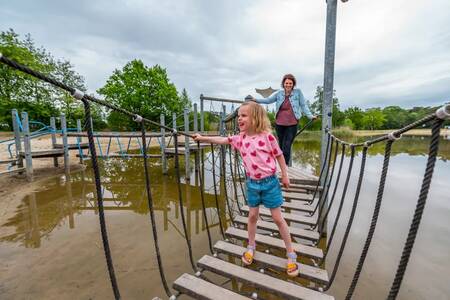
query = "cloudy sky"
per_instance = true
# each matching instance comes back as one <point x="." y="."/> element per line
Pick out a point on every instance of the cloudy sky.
<point x="387" y="52"/>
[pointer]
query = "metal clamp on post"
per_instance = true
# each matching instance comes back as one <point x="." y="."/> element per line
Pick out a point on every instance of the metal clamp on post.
<point x="137" y="118"/>
<point x="174" y="131"/>
<point x="443" y="113"/>
<point x="393" y="137"/>
<point x="77" y="94"/>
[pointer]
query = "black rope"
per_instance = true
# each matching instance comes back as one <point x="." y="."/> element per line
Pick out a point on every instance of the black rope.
<point x="240" y="180"/>
<point x="376" y="211"/>
<point x="325" y="193"/>
<point x="341" y="204"/>
<point x="101" y="212"/>
<point x="200" y="178"/>
<point x="322" y="168"/>
<point x="335" y="187"/>
<point x="350" y="221"/>
<point x="432" y="154"/>
<point x="215" y="191"/>
<point x="180" y="201"/>
<point x="234" y="183"/>
<point x="152" y="214"/>
<point x="222" y="156"/>
<point x="304" y="127"/>
<point x="326" y="182"/>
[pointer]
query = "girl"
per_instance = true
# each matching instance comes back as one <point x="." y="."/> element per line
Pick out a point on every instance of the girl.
<point x="260" y="151"/>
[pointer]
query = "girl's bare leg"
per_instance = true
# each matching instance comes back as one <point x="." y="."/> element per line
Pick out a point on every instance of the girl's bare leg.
<point x="282" y="227"/>
<point x="251" y="224"/>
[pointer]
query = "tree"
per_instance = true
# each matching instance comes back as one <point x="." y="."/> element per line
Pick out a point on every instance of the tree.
<point x="25" y="93"/>
<point x="316" y="108"/>
<point x="142" y="90"/>
<point x="373" y="119"/>
<point x="355" y="115"/>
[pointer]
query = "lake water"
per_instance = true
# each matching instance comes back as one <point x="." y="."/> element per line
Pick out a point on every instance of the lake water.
<point x="51" y="248"/>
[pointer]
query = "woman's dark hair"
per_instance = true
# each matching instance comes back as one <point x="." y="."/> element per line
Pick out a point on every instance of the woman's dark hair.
<point x="288" y="76"/>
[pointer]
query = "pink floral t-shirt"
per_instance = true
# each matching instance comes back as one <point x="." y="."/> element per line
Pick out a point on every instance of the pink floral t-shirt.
<point x="258" y="153"/>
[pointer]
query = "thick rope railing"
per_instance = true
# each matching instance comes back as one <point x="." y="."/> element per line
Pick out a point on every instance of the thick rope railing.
<point x="233" y="179"/>
<point x="180" y="202"/>
<point x="98" y="188"/>
<point x="373" y="224"/>
<point x="200" y="179"/>
<point x="351" y="218"/>
<point x="215" y="191"/>
<point x="407" y="249"/>
<point x="152" y="215"/>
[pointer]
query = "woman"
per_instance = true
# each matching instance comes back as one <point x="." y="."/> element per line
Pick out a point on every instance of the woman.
<point x="290" y="106"/>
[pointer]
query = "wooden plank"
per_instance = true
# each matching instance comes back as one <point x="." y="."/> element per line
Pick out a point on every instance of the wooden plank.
<point x="72" y="146"/>
<point x="298" y="196"/>
<point x="200" y="289"/>
<point x="298" y="205"/>
<point x="287" y="216"/>
<point x="8" y="161"/>
<point x="300" y="187"/>
<point x="271" y="261"/>
<point x="284" y="289"/>
<point x="295" y="232"/>
<point x="18" y="170"/>
<point x="44" y="153"/>
<point x="303" y="250"/>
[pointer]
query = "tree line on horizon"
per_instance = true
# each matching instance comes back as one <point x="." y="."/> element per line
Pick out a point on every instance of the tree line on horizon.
<point x="138" y="88"/>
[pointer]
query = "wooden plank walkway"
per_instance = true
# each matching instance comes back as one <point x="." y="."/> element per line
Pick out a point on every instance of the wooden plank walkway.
<point x="72" y="146"/>
<point x="270" y="226"/>
<point x="304" y="250"/>
<point x="275" y="262"/>
<point x="287" y="216"/>
<point x="279" y="287"/>
<point x="201" y="289"/>
<point x="44" y="153"/>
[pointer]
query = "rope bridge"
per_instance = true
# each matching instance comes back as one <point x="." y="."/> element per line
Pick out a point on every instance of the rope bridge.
<point x="315" y="205"/>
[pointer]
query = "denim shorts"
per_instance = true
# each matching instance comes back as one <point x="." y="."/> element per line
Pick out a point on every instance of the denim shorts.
<point x="265" y="191"/>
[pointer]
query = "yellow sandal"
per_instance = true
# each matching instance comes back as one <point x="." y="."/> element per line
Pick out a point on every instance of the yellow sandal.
<point x="292" y="266"/>
<point x="247" y="256"/>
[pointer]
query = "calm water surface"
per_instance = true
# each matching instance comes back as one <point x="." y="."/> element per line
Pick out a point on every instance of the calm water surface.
<point x="51" y="247"/>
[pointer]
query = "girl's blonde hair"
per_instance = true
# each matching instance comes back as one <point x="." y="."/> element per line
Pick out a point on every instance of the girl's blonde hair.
<point x="258" y="116"/>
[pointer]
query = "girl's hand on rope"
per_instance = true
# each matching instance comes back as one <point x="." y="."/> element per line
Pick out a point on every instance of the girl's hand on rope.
<point x="285" y="180"/>
<point x="198" y="137"/>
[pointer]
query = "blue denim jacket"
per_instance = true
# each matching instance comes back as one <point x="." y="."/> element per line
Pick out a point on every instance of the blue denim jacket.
<point x="296" y="98"/>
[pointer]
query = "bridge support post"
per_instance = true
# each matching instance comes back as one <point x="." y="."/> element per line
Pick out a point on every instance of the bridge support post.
<point x="27" y="146"/>
<point x="79" y="141"/>
<point x="163" y="144"/>
<point x="202" y="114"/>
<point x="186" y="144"/>
<point x="17" y="140"/>
<point x="197" y="153"/>
<point x="327" y="104"/>
<point x="65" y="143"/>
<point x="53" y="126"/>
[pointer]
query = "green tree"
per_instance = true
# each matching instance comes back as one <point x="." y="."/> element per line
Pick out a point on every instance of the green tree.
<point x="142" y="90"/>
<point x="373" y="119"/>
<point x="395" y="117"/>
<point x="355" y="115"/>
<point x="316" y="108"/>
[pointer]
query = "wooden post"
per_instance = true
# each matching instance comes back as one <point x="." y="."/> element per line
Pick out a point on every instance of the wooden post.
<point x="17" y="140"/>
<point x="53" y="126"/>
<point x="186" y="144"/>
<point x="80" y="141"/>
<point x="65" y="143"/>
<point x="202" y="115"/>
<point x="197" y="153"/>
<point x="27" y="146"/>
<point x="163" y="144"/>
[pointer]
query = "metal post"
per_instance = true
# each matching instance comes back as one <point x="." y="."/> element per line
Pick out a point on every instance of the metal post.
<point x="53" y="126"/>
<point x="163" y="144"/>
<point x="65" y="143"/>
<point x="327" y="104"/>
<point x="27" y="146"/>
<point x="186" y="144"/>
<point x="222" y="133"/>
<point x="17" y="140"/>
<point x="79" y="141"/>
<point x="202" y="115"/>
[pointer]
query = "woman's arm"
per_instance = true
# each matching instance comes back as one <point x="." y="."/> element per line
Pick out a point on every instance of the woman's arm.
<point x="211" y="139"/>
<point x="283" y="167"/>
<point x="271" y="99"/>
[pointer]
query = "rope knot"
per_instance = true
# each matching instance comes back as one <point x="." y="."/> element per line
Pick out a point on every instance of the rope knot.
<point x="77" y="94"/>
<point x="392" y="136"/>
<point x="442" y="113"/>
<point x="137" y="118"/>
